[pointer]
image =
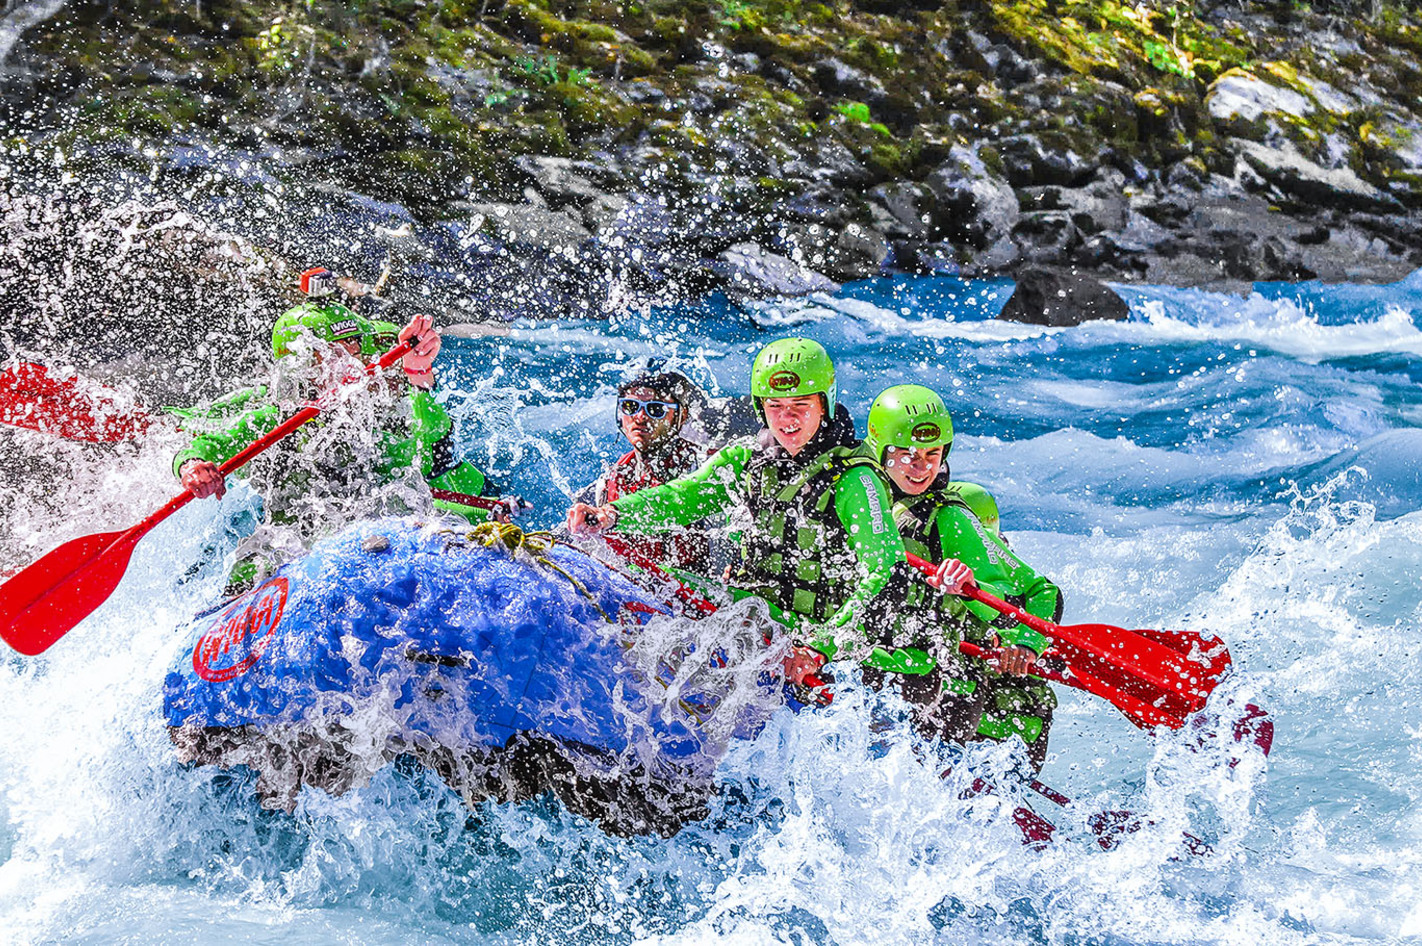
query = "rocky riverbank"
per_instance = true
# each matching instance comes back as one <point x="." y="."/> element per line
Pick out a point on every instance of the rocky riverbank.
<point x="581" y="157"/>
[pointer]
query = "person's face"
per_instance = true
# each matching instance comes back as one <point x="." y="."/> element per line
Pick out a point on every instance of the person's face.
<point x="913" y="469"/>
<point x="336" y="352"/>
<point x="341" y="362"/>
<point x="794" y="421"/>
<point x="641" y="429"/>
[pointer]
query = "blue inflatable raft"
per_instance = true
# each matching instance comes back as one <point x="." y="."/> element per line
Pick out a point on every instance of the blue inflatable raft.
<point x="506" y="671"/>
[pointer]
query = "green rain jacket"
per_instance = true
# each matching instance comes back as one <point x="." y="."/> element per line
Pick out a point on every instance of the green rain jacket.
<point x="939" y="525"/>
<point x="427" y="442"/>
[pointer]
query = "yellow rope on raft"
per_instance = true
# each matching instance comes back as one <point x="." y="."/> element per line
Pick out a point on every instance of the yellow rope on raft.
<point x="512" y="539"/>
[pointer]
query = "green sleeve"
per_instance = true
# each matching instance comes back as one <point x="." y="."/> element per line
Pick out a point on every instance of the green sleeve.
<point x="431" y="427"/>
<point x="686" y="499"/>
<point x="432" y="444"/>
<point x="862" y="503"/>
<point x="220" y="446"/>
<point x="998" y="571"/>
<point x="465" y="478"/>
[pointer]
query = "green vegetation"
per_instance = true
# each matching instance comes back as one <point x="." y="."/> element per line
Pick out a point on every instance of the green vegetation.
<point x="427" y="94"/>
<point x="858" y="113"/>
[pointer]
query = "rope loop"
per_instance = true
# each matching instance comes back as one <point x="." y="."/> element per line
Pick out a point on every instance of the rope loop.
<point x="535" y="545"/>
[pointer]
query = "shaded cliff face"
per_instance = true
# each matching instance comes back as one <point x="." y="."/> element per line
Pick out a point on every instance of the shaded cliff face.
<point x="580" y="157"/>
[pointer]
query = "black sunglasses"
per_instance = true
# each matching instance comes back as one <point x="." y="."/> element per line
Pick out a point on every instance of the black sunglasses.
<point x="655" y="410"/>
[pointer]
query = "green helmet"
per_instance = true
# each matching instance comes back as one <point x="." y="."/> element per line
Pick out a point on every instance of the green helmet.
<point x="331" y="322"/>
<point x="908" y="415"/>
<point x="793" y="367"/>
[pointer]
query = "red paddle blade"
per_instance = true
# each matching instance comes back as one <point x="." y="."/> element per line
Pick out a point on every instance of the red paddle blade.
<point x="43" y="602"/>
<point x="1146" y="715"/>
<point x="31" y="396"/>
<point x="1209" y="650"/>
<point x="1138" y="663"/>
<point x="1055" y="668"/>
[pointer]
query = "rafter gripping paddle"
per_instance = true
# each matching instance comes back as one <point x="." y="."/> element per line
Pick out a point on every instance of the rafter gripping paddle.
<point x="43" y="602"/>
<point x="1157" y="678"/>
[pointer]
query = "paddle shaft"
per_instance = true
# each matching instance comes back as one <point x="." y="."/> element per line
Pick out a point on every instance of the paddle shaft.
<point x="511" y="506"/>
<point x="684" y="593"/>
<point x="687" y="594"/>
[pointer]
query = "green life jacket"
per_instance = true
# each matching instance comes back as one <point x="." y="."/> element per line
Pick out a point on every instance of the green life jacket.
<point x="917" y="519"/>
<point x="982" y="504"/>
<point x="797" y="555"/>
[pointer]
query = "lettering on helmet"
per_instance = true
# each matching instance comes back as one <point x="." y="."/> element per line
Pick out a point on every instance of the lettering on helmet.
<point x="783" y="380"/>
<point x="926" y="432"/>
<point x="344" y="328"/>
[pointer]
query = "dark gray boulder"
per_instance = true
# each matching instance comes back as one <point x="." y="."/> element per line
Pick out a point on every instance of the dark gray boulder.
<point x="1056" y="298"/>
<point x="858" y="252"/>
<point x="561" y="181"/>
<point x="630" y="220"/>
<point x="900" y="210"/>
<point x="1047" y="236"/>
<point x="751" y="270"/>
<point x="1026" y="161"/>
<point x="832" y="163"/>
<point x="970" y="205"/>
<point x="839" y="78"/>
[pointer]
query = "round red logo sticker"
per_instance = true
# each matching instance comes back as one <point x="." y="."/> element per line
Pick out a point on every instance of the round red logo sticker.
<point x="926" y="432"/>
<point x="238" y="636"/>
<point x="784" y="380"/>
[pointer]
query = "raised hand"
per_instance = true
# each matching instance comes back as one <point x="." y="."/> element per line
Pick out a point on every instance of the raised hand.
<point x="419" y="361"/>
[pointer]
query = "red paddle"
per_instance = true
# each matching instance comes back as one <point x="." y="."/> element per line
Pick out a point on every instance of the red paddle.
<point x="1253" y="726"/>
<point x="34" y="397"/>
<point x="697" y="602"/>
<point x="1137" y="710"/>
<point x="1170" y="671"/>
<point x="1140" y="712"/>
<point x="684" y="593"/>
<point x="43" y="602"/>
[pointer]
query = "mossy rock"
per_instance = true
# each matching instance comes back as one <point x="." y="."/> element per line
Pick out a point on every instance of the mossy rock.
<point x="587" y="107"/>
<point x="153" y="110"/>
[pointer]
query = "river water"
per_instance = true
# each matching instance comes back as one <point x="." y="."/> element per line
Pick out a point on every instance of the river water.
<point x="1249" y="467"/>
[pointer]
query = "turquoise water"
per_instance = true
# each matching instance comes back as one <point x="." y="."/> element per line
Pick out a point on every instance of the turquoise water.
<point x="1250" y="467"/>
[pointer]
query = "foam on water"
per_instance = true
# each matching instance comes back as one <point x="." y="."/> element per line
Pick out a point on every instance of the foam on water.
<point x="1239" y="466"/>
